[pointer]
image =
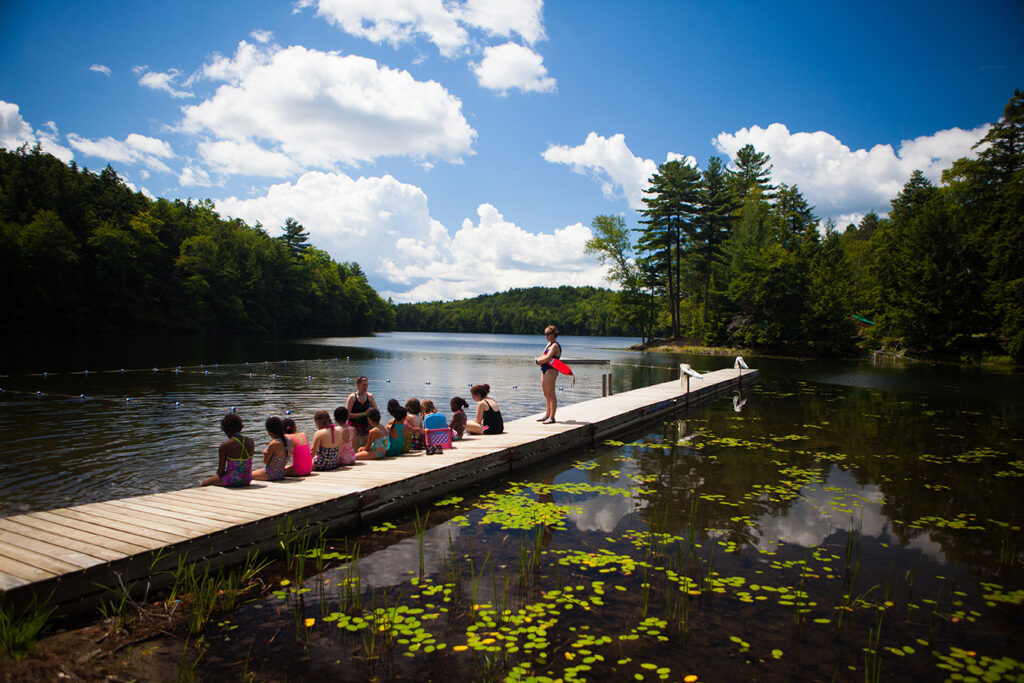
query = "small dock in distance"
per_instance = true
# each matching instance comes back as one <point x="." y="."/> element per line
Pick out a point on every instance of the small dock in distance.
<point x="73" y="557"/>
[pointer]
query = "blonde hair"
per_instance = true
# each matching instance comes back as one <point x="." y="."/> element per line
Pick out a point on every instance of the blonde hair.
<point x="428" y="406"/>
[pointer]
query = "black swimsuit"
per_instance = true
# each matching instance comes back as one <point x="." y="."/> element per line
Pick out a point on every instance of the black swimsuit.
<point x="360" y="424"/>
<point x="547" y="366"/>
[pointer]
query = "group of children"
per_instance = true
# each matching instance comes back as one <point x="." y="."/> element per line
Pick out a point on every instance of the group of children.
<point x="340" y="443"/>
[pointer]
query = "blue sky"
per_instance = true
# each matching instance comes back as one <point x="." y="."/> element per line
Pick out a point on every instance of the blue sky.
<point x="464" y="147"/>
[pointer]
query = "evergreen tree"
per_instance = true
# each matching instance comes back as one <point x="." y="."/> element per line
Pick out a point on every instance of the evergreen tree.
<point x="714" y="223"/>
<point x="295" y="237"/>
<point x="753" y="172"/>
<point x="673" y="202"/>
<point x="988" y="193"/>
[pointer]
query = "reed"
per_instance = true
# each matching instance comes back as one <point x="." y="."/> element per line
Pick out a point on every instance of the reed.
<point x="186" y="672"/>
<point x="19" y="631"/>
<point x="872" y="658"/>
<point x="421" y="528"/>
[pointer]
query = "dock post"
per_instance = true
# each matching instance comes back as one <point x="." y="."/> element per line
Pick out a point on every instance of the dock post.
<point x="610" y="391"/>
<point x="604" y="385"/>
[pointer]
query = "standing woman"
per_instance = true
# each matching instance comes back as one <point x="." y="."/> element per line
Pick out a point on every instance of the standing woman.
<point x="488" y="414"/>
<point x="548" y="374"/>
<point x="358" y="405"/>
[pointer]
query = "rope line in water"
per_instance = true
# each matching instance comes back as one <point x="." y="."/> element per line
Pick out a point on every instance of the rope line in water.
<point x="217" y="366"/>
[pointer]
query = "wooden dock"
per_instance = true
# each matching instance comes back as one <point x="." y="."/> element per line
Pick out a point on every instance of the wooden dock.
<point x="73" y="557"/>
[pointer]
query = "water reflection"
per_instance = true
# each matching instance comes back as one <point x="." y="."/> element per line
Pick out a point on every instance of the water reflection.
<point x="819" y="528"/>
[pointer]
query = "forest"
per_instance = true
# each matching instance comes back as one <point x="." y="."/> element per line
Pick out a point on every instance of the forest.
<point x="729" y="257"/>
<point x="723" y="256"/>
<point x="574" y="310"/>
<point x="82" y="252"/>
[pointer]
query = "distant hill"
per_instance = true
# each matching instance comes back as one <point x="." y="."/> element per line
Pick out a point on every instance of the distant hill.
<point x="573" y="310"/>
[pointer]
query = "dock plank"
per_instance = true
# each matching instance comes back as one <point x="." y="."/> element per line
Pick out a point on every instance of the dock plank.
<point x="10" y="546"/>
<point x="75" y="543"/>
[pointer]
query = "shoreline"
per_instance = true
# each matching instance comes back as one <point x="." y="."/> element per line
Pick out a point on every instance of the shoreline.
<point x="668" y="346"/>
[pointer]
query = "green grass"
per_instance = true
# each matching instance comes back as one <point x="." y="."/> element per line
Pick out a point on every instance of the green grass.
<point x="19" y="631"/>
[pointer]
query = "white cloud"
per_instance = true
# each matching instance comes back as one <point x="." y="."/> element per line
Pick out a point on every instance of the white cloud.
<point x="262" y="36"/>
<point x="246" y="158"/>
<point x="840" y="182"/>
<point x="192" y="176"/>
<point x="385" y="226"/>
<point x="15" y="132"/>
<point x="611" y="163"/>
<point x="503" y="18"/>
<point x="320" y="109"/>
<point x="397" y="21"/>
<point x="100" y="68"/>
<point x="490" y="256"/>
<point x="446" y="24"/>
<point x="343" y="215"/>
<point x="163" y="81"/>
<point x="513" y="66"/>
<point x="134" y="149"/>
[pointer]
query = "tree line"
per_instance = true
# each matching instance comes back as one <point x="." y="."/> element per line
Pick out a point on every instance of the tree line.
<point x="574" y="310"/>
<point x="727" y="257"/>
<point x="82" y="252"/>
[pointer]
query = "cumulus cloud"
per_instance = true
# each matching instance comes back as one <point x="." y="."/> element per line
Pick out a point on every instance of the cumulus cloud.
<point x="134" y="149"/>
<point x="509" y="66"/>
<point x="319" y="109"/>
<point x="246" y="158"/>
<point x="193" y="176"/>
<point x="845" y="184"/>
<point x="100" y="68"/>
<point x="164" y="81"/>
<point x="15" y="132"/>
<point x="385" y="226"/>
<point x="445" y="24"/>
<point x="612" y="164"/>
<point x="492" y="255"/>
<point x="499" y="18"/>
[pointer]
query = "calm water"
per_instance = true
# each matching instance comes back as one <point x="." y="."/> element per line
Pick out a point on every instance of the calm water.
<point x="63" y="449"/>
<point x="839" y="521"/>
<point x="836" y="522"/>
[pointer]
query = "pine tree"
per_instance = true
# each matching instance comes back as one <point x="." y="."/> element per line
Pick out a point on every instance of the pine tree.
<point x="753" y="171"/>
<point x="672" y="201"/>
<point x="295" y="237"/>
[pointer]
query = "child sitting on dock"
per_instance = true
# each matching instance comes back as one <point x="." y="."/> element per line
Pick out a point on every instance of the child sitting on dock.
<point x="275" y="455"/>
<point x="346" y="452"/>
<point x="377" y="440"/>
<point x="235" y="465"/>
<point x="488" y="415"/>
<point x="326" y="442"/>
<point x="415" y="421"/>
<point x="302" y="459"/>
<point x="458" y="417"/>
<point x="428" y="408"/>
<point x="399" y="433"/>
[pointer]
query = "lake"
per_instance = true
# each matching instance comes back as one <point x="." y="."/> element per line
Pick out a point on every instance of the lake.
<point x="77" y="429"/>
<point x="838" y="521"/>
